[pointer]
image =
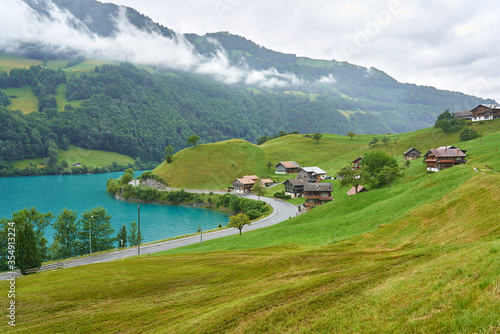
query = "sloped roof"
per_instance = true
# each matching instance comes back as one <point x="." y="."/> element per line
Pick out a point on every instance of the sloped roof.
<point x="463" y="113"/>
<point x="247" y="179"/>
<point x="296" y="182"/>
<point x="352" y="191"/>
<point x="318" y="187"/>
<point x="491" y="106"/>
<point x="447" y="152"/>
<point x="357" y="159"/>
<point x="315" y="170"/>
<point x="410" y="149"/>
<point x="289" y="164"/>
<point x="267" y="181"/>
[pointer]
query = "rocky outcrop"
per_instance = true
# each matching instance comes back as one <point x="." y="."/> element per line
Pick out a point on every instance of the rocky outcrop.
<point x="152" y="183"/>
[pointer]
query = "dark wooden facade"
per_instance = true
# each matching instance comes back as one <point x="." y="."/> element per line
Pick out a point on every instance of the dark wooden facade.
<point x="294" y="187"/>
<point x="444" y="157"/>
<point x="287" y="167"/>
<point x="411" y="154"/>
<point x="317" y="194"/>
<point x="485" y="112"/>
<point x="357" y="163"/>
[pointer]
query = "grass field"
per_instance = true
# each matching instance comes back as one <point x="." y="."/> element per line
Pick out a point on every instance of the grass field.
<point x="419" y="257"/>
<point x="213" y="166"/>
<point x="94" y="158"/>
<point x="24" y="99"/>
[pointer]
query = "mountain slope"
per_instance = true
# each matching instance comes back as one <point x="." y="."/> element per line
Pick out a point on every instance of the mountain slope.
<point x="219" y="86"/>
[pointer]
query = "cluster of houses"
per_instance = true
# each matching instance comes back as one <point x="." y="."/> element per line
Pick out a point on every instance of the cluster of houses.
<point x="483" y="112"/>
<point x="245" y="184"/>
<point x="306" y="184"/>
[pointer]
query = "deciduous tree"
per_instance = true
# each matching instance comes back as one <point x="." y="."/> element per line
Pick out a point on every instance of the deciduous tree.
<point x="65" y="243"/>
<point x="351" y="134"/>
<point x="317" y="136"/>
<point x="193" y="139"/>
<point x="351" y="177"/>
<point x="97" y="223"/>
<point x="258" y="188"/>
<point x="169" y="152"/>
<point x="239" y="221"/>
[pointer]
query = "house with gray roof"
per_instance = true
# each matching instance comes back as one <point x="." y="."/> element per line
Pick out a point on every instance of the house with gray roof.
<point x="294" y="187"/>
<point x="411" y="153"/>
<point x="317" y="194"/>
<point x="311" y="174"/>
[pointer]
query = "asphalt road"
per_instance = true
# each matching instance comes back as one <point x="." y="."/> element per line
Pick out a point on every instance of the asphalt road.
<point x="281" y="212"/>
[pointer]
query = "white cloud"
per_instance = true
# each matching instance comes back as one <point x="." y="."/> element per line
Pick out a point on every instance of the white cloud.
<point x="129" y="44"/>
<point x="450" y="44"/>
<point x="445" y="43"/>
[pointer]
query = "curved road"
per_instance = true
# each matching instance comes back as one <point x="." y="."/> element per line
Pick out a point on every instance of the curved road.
<point x="281" y="212"/>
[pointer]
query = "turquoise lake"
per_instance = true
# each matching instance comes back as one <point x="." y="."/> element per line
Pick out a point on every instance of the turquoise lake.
<point x="85" y="192"/>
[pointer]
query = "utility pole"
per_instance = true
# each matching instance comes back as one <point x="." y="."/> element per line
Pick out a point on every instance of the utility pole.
<point x="139" y="230"/>
<point x="201" y="234"/>
<point x="90" y="234"/>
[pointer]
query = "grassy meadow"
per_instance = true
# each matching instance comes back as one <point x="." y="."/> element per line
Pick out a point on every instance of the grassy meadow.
<point x="22" y="99"/>
<point x="94" y="158"/>
<point x="25" y="100"/>
<point x="213" y="166"/>
<point x="419" y="257"/>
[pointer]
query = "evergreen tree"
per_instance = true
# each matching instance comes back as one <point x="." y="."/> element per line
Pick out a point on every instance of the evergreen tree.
<point x="134" y="234"/>
<point x="121" y="238"/>
<point x="4" y="244"/>
<point x="27" y="255"/>
<point x="39" y="221"/>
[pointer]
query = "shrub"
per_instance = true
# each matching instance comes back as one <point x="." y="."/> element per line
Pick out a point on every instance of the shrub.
<point x="468" y="134"/>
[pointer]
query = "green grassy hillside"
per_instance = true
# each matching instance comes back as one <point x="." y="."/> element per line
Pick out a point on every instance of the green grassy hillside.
<point x="419" y="257"/>
<point x="213" y="166"/>
<point x="90" y="158"/>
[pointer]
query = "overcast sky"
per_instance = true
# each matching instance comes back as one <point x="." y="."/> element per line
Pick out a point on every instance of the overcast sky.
<point x="449" y="44"/>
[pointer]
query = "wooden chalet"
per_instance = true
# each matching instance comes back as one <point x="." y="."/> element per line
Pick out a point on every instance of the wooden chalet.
<point x="287" y="167"/>
<point x="444" y="157"/>
<point x="294" y="187"/>
<point x="245" y="184"/>
<point x="485" y="112"/>
<point x="317" y="194"/>
<point x="76" y="164"/>
<point x="411" y="154"/>
<point x="465" y="114"/>
<point x="311" y="174"/>
<point x="356" y="163"/>
<point x="353" y="190"/>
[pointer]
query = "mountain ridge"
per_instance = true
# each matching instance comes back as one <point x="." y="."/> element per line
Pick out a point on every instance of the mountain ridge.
<point x="219" y="86"/>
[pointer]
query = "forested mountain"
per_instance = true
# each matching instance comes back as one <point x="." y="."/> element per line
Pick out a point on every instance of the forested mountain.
<point x="137" y="112"/>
